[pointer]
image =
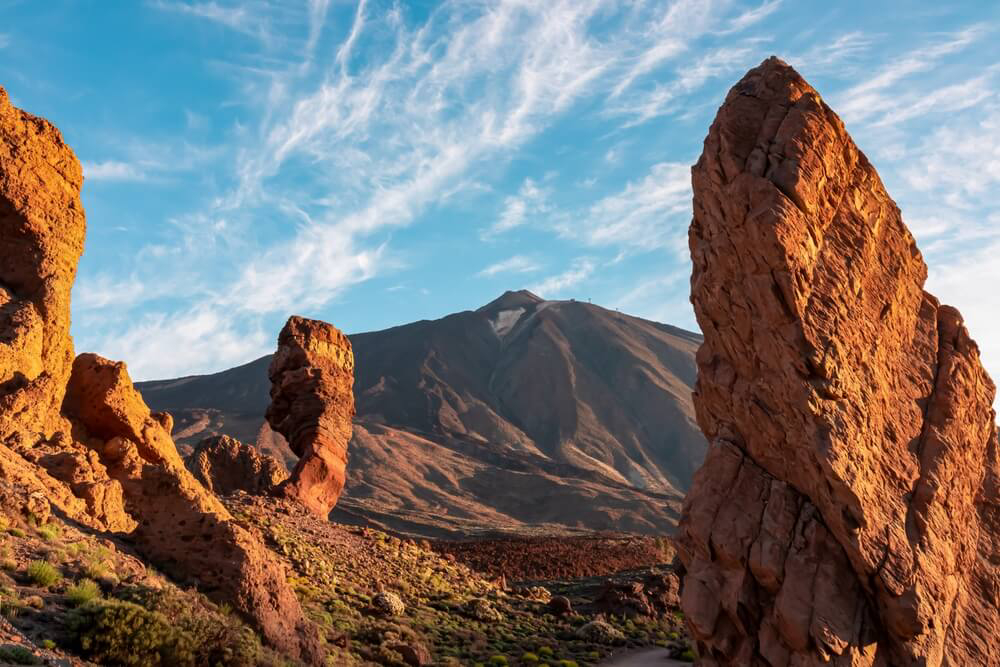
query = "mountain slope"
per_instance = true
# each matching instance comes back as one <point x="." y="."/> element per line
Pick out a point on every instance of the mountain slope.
<point x="522" y="413"/>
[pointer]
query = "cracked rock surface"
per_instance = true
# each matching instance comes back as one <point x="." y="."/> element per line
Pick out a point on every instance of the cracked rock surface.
<point x="847" y="511"/>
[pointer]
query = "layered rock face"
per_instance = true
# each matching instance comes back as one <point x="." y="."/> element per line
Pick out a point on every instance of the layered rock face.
<point x="225" y="465"/>
<point x="312" y="403"/>
<point x="847" y="512"/>
<point x="76" y="435"/>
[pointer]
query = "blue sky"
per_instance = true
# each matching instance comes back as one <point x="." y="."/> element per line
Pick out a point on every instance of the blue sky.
<point x="375" y="163"/>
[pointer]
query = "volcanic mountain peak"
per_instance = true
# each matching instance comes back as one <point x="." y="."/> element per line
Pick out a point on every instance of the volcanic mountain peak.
<point x="511" y="300"/>
<point x="566" y="400"/>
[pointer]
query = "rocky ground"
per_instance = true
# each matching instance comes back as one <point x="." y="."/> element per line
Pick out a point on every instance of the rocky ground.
<point x="572" y="557"/>
<point x="71" y="597"/>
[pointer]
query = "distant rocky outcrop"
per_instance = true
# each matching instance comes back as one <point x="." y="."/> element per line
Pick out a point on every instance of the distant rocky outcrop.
<point x="312" y="404"/>
<point x="76" y="436"/>
<point x="847" y="512"/>
<point x="225" y="465"/>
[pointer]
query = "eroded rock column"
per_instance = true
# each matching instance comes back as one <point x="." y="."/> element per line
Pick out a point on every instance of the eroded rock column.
<point x="847" y="510"/>
<point x="312" y="404"/>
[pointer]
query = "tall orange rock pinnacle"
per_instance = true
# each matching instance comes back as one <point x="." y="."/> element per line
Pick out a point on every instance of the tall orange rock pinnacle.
<point x="312" y="403"/>
<point x="847" y="512"/>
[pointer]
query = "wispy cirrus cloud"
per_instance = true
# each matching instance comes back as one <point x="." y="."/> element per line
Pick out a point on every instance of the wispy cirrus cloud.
<point x="113" y="170"/>
<point x="662" y="98"/>
<point x="751" y="17"/>
<point x="515" y="264"/>
<point x="560" y="284"/>
<point x="878" y="95"/>
<point x="530" y="201"/>
<point x="346" y="125"/>
<point x="244" y="18"/>
<point x="648" y="213"/>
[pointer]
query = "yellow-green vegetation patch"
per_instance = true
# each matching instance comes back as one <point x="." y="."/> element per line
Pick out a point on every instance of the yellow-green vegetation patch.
<point x="43" y="574"/>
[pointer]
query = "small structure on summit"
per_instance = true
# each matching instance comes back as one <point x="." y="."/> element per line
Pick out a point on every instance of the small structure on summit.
<point x="312" y="405"/>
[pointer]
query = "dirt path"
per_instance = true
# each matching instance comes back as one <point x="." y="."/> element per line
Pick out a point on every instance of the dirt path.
<point x="656" y="657"/>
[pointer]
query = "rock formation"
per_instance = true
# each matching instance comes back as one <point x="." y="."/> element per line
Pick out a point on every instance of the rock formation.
<point x="312" y="403"/>
<point x="847" y="512"/>
<point x="76" y="435"/>
<point x="225" y="465"/>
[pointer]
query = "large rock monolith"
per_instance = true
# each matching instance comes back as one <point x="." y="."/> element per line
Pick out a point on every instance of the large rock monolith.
<point x="847" y="511"/>
<point x="312" y="404"/>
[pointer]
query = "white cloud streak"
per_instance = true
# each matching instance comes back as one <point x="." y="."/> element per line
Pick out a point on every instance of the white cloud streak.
<point x="879" y="95"/>
<point x="112" y="170"/>
<point x="515" y="264"/>
<point x="648" y="213"/>
<point x="518" y="209"/>
<point x="561" y="283"/>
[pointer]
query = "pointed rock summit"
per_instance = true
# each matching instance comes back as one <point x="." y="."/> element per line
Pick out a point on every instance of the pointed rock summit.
<point x="847" y="511"/>
<point x="312" y="404"/>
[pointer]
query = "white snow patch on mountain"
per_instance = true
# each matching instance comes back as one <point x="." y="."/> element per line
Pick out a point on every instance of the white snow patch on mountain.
<point x="505" y="321"/>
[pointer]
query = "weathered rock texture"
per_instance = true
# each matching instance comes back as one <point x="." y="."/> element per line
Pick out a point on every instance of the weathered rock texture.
<point x="847" y="512"/>
<point x="76" y="435"/>
<point x="42" y="227"/>
<point x="225" y="465"/>
<point x="312" y="403"/>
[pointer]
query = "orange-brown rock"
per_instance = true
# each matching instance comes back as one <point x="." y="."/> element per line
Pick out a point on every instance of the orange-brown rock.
<point x="847" y="512"/>
<point x="225" y="465"/>
<point x="312" y="403"/>
<point x="75" y="436"/>
<point x="181" y="526"/>
<point x="42" y="227"/>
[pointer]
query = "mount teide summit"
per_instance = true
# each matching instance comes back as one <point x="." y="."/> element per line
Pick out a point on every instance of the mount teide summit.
<point x="523" y="413"/>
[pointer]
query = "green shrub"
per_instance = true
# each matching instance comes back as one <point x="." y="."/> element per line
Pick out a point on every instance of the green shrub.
<point x="123" y="633"/>
<point x="43" y="574"/>
<point x="217" y="638"/>
<point x="529" y="658"/>
<point x="499" y="661"/>
<point x="82" y="592"/>
<point x="567" y="663"/>
<point x="687" y="655"/>
<point x="546" y="652"/>
<point x="48" y="644"/>
<point x="17" y="655"/>
<point x="49" y="532"/>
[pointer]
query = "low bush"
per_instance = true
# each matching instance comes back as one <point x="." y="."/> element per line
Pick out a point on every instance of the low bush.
<point x="43" y="574"/>
<point x="123" y="633"/>
<point x="82" y="592"/>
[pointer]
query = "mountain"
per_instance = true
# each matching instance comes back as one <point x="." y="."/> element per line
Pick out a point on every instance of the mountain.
<point x="558" y="415"/>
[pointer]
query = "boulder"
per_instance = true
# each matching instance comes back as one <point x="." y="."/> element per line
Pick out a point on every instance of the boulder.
<point x="847" y="511"/>
<point x="312" y="404"/>
<point x="653" y="595"/>
<point x="225" y="465"/>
